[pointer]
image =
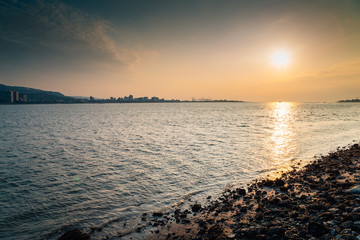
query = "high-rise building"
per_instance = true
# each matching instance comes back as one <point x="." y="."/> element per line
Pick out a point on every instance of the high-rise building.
<point x="12" y="97"/>
<point x="16" y="96"/>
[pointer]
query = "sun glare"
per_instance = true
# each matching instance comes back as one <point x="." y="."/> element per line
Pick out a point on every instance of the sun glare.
<point x="281" y="58"/>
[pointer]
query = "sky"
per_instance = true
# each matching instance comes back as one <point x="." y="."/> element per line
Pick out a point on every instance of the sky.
<point x="182" y="49"/>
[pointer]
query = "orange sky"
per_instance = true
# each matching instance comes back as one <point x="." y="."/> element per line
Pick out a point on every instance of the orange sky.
<point x="184" y="50"/>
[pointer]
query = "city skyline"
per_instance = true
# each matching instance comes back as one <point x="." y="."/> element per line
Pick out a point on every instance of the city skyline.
<point x="305" y="51"/>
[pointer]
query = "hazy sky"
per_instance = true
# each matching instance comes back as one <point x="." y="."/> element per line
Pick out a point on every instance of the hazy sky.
<point x="183" y="49"/>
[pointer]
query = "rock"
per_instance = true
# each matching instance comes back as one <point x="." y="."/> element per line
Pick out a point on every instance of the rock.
<point x="243" y="209"/>
<point x="279" y="182"/>
<point x="196" y="207"/>
<point x="354" y="216"/>
<point x="317" y="229"/>
<point x="280" y="231"/>
<point x="215" y="232"/>
<point x="326" y="215"/>
<point x="241" y="191"/>
<point x="275" y="201"/>
<point x="348" y="237"/>
<point x="250" y="233"/>
<point x="348" y="225"/>
<point x="260" y="237"/>
<point x="158" y="214"/>
<point x="202" y="223"/>
<point x="75" y="234"/>
<point x="357" y="209"/>
<point x="333" y="232"/>
<point x="274" y="237"/>
<point x="267" y="183"/>
<point x="231" y="236"/>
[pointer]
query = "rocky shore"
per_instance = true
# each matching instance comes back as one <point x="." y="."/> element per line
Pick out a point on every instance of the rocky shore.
<point x="319" y="201"/>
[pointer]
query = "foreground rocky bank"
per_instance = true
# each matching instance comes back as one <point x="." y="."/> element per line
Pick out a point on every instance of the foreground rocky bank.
<point x="320" y="201"/>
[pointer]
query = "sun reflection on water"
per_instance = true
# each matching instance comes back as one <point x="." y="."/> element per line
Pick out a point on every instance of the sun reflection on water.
<point x="282" y="144"/>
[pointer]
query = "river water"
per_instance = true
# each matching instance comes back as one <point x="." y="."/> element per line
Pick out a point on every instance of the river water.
<point x="83" y="165"/>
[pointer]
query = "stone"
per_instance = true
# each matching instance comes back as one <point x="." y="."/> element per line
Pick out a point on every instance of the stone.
<point x="354" y="216"/>
<point x="241" y="191"/>
<point x="75" y="234"/>
<point x="158" y="214"/>
<point x="280" y="231"/>
<point x="279" y="182"/>
<point x="317" y="229"/>
<point x="196" y="207"/>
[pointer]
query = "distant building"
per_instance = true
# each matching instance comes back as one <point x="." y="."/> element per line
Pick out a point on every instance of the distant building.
<point x="14" y="96"/>
<point x="92" y="98"/>
<point x="23" y="98"/>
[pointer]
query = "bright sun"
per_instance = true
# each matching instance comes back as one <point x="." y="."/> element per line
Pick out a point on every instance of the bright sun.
<point x="280" y="58"/>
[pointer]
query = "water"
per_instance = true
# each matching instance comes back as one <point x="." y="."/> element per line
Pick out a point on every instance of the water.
<point x="84" y="165"/>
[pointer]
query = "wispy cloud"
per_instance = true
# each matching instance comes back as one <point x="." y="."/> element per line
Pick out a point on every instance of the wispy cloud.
<point x="52" y="24"/>
<point x="341" y="69"/>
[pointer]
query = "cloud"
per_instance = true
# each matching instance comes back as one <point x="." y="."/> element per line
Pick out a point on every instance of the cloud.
<point x="342" y="69"/>
<point x="55" y="25"/>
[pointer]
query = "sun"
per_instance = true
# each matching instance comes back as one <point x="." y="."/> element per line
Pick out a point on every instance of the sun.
<point x="281" y="58"/>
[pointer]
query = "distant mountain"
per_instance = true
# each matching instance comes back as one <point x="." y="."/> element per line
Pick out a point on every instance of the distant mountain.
<point x="35" y="95"/>
<point x="352" y="100"/>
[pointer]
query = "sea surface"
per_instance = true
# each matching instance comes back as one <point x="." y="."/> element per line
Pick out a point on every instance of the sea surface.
<point x="84" y="165"/>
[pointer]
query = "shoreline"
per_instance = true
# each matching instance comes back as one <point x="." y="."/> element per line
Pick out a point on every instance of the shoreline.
<point x="319" y="201"/>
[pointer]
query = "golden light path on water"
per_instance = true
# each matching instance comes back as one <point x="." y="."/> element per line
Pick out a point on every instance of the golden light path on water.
<point x="282" y="140"/>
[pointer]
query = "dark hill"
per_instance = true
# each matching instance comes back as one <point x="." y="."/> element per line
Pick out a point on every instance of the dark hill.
<point x="36" y="95"/>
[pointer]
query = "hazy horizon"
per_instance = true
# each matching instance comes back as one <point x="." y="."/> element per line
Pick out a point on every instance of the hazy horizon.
<point x="301" y="51"/>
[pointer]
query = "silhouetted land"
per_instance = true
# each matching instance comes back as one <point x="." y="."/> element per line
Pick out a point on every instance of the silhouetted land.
<point x="24" y="95"/>
<point x="349" y="101"/>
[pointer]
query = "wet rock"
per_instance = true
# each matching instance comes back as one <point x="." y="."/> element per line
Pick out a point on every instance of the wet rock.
<point x="185" y="221"/>
<point x="75" y="234"/>
<point x="317" y="207"/>
<point x="93" y="229"/>
<point x="280" y="231"/>
<point x="275" y="201"/>
<point x="196" y="207"/>
<point x="250" y="233"/>
<point x="267" y="183"/>
<point x="348" y="225"/>
<point x="241" y="191"/>
<point x="317" y="229"/>
<point x="279" y="182"/>
<point x="231" y="236"/>
<point x="354" y="216"/>
<point x="349" y="237"/>
<point x="157" y="214"/>
<point x="326" y="215"/>
<point x="202" y="223"/>
<point x="215" y="232"/>
<point x="260" y="237"/>
<point x="243" y="209"/>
